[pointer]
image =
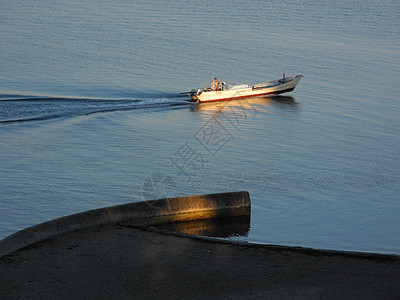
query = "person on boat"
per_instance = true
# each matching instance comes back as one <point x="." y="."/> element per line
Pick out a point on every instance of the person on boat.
<point x="215" y="86"/>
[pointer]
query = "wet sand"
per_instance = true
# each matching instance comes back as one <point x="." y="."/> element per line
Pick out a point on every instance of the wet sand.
<point x="117" y="261"/>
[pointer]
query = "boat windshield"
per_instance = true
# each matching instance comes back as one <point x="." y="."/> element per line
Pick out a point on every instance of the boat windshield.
<point x="237" y="86"/>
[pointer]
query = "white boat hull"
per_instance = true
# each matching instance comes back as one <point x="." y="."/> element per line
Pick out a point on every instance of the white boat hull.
<point x="275" y="87"/>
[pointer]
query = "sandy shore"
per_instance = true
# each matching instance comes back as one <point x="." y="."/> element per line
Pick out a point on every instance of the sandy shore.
<point x="118" y="261"/>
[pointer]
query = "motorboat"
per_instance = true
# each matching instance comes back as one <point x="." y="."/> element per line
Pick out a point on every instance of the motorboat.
<point x="226" y="92"/>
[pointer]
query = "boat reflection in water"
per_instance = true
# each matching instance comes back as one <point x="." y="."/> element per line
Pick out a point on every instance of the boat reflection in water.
<point x="218" y="227"/>
<point x="286" y="103"/>
<point x="282" y="101"/>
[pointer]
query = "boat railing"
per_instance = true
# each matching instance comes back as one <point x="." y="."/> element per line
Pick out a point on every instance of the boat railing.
<point x="273" y="83"/>
<point x="265" y="85"/>
<point x="262" y="85"/>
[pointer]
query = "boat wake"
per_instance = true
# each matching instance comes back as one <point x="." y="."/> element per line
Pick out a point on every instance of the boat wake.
<point x="29" y="109"/>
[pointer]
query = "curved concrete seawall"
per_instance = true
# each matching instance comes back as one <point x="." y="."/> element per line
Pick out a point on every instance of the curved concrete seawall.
<point x="138" y="213"/>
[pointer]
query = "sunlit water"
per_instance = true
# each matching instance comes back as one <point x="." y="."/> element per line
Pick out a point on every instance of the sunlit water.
<point x="91" y="113"/>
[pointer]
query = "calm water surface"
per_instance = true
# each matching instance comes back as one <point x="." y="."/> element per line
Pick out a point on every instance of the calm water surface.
<point x="90" y="113"/>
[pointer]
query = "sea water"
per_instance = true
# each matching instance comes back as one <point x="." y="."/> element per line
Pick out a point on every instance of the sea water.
<point x="91" y="113"/>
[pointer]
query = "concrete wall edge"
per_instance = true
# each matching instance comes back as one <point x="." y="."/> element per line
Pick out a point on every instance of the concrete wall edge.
<point x="137" y="213"/>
